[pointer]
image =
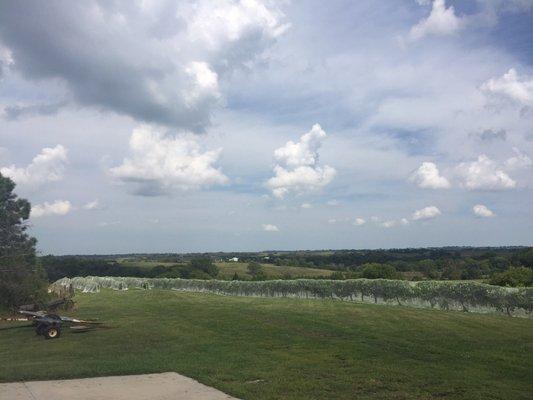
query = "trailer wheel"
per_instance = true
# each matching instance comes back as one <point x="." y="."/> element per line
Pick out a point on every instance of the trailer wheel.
<point x="53" y="332"/>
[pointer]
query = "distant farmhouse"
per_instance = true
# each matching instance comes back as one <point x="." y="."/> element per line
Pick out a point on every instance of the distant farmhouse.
<point x="234" y="259"/>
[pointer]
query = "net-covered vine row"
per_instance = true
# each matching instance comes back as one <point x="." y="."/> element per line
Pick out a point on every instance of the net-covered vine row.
<point x="465" y="296"/>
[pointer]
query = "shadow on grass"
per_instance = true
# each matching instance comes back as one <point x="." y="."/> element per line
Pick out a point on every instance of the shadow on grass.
<point x="7" y="328"/>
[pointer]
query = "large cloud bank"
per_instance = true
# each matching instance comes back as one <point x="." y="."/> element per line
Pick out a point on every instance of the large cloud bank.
<point x="157" y="61"/>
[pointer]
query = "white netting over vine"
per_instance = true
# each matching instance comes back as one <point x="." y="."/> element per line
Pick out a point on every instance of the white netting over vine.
<point x="465" y="296"/>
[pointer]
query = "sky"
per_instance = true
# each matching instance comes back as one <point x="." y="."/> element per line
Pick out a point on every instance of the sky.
<point x="224" y="125"/>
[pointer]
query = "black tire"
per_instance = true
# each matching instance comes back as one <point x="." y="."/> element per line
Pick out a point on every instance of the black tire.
<point x="52" y="332"/>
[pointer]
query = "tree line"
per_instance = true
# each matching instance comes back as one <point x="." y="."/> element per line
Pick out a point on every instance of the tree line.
<point x="493" y="270"/>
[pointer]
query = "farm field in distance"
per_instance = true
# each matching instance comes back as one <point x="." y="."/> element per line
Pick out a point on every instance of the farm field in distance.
<point x="228" y="269"/>
<point x="257" y="348"/>
<point x="500" y="266"/>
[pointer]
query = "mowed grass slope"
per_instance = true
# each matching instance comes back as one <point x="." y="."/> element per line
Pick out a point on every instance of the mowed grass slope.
<point x="255" y="348"/>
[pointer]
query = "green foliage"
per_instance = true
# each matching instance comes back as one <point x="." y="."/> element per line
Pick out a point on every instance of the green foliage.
<point x="513" y="277"/>
<point x="58" y="267"/>
<point x="20" y="280"/>
<point x="204" y="265"/>
<point x="458" y="263"/>
<point x="525" y="257"/>
<point x="256" y="271"/>
<point x="379" y="271"/>
<point x="465" y="296"/>
<point x="451" y="271"/>
<point x="338" y="275"/>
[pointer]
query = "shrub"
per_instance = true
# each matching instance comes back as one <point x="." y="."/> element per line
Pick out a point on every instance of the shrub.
<point x="204" y="265"/>
<point x="379" y="271"/>
<point x="256" y="271"/>
<point x="513" y="277"/>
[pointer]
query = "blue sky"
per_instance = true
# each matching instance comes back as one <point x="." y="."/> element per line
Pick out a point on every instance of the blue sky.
<point x="248" y="125"/>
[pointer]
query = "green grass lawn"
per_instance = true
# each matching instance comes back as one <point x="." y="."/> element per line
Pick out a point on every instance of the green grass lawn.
<point x="255" y="348"/>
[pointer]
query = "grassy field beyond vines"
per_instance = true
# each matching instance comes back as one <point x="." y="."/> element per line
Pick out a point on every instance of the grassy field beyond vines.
<point x="227" y="269"/>
<point x="258" y="348"/>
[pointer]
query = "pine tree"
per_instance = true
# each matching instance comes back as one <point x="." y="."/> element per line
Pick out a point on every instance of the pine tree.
<point x="21" y="281"/>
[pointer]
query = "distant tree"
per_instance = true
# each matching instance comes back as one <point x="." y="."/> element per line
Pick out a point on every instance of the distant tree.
<point x="254" y="268"/>
<point x="428" y="268"/>
<point x="499" y="263"/>
<point x="235" y="277"/>
<point x="378" y="271"/>
<point x="452" y="270"/>
<point x="205" y="265"/>
<point x="473" y="269"/>
<point x="515" y="277"/>
<point x="256" y="271"/>
<point x="158" y="270"/>
<point x="21" y="281"/>
<point x="402" y="266"/>
<point x="451" y="273"/>
<point x="525" y="257"/>
<point x="175" y="271"/>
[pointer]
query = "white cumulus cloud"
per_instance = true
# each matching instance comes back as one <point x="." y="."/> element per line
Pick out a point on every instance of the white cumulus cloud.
<point x="270" y="228"/>
<point x="428" y="176"/>
<point x="220" y="24"/>
<point x="392" y="223"/>
<point x="159" y="164"/>
<point x="297" y="168"/>
<point x="512" y="86"/>
<point x="58" y="207"/>
<point x="92" y="205"/>
<point x="484" y="174"/>
<point x="359" y="221"/>
<point x="205" y="84"/>
<point x="47" y="166"/>
<point x="426" y="213"/>
<point x="482" y="211"/>
<point x="518" y="161"/>
<point x="389" y="224"/>
<point x="441" y="21"/>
